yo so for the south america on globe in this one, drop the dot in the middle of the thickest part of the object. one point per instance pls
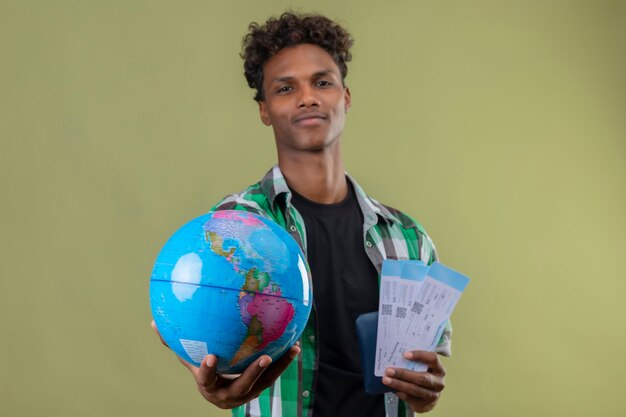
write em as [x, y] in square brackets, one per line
[230, 283]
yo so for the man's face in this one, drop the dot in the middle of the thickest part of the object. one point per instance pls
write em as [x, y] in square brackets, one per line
[305, 101]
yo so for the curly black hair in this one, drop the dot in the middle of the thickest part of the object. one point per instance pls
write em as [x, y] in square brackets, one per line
[290, 29]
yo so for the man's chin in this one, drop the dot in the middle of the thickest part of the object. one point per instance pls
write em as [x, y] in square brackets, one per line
[313, 145]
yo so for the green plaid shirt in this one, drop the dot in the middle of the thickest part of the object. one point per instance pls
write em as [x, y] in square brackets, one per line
[388, 234]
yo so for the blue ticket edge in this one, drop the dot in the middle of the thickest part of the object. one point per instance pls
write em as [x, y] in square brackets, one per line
[414, 271]
[394, 267]
[448, 276]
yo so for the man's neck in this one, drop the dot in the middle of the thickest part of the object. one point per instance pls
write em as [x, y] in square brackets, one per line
[317, 176]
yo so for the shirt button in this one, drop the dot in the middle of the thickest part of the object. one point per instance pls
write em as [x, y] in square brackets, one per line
[292, 228]
[368, 244]
[312, 338]
[305, 394]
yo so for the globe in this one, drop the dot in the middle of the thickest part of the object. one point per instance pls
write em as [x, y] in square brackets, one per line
[231, 283]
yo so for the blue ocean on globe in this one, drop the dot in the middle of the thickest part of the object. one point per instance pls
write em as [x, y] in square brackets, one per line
[230, 283]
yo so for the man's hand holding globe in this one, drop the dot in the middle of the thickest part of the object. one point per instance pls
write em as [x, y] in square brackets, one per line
[229, 391]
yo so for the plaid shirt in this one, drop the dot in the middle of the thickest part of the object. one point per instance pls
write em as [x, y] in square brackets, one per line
[388, 234]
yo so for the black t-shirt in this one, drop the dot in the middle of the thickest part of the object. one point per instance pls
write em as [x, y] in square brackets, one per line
[345, 284]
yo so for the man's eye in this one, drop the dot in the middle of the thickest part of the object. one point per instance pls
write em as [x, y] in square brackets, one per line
[323, 83]
[283, 89]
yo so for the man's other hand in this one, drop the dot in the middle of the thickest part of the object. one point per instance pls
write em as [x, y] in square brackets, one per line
[421, 390]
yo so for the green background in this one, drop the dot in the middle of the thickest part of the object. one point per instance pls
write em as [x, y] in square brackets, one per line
[500, 125]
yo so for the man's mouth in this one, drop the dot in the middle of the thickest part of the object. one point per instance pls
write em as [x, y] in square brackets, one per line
[309, 119]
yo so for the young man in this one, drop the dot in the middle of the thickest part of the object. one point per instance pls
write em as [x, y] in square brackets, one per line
[297, 64]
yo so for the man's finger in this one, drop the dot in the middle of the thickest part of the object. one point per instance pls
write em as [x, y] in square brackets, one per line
[423, 379]
[242, 385]
[206, 375]
[278, 367]
[429, 358]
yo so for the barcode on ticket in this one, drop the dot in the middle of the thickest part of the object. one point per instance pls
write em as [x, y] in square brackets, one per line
[417, 307]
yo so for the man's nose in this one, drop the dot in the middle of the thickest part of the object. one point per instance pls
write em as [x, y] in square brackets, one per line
[308, 97]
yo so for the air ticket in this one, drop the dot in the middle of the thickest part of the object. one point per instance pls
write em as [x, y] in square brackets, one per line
[415, 303]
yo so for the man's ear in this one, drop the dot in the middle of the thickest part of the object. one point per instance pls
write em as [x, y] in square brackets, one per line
[265, 118]
[348, 99]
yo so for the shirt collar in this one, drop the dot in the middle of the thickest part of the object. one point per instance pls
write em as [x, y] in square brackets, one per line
[273, 185]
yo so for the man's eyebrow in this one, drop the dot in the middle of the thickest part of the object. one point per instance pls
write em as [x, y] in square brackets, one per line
[318, 74]
[323, 73]
[283, 79]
